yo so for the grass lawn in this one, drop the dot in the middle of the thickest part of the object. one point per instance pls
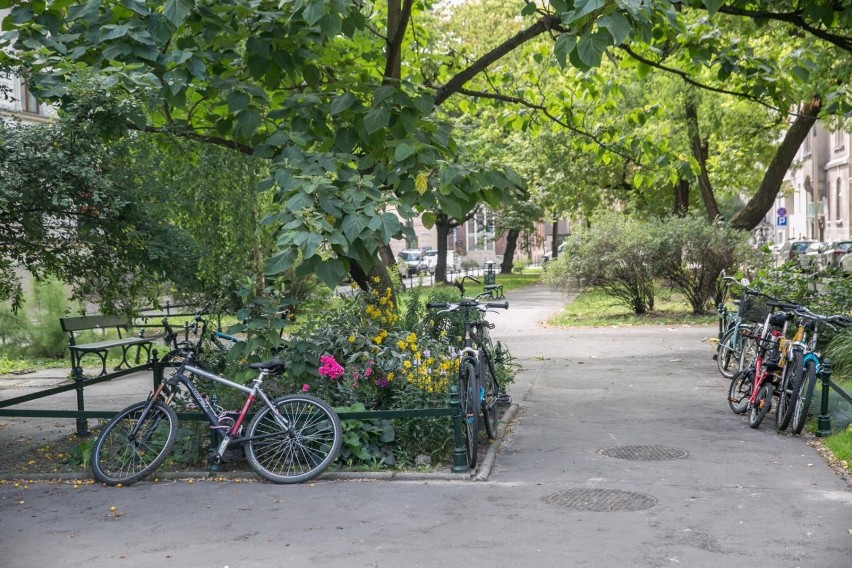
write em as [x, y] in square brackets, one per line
[594, 308]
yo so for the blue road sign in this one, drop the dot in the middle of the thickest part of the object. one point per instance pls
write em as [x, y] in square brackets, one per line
[782, 221]
[782, 211]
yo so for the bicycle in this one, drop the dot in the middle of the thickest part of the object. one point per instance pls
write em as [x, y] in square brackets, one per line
[753, 388]
[734, 327]
[809, 364]
[479, 390]
[292, 439]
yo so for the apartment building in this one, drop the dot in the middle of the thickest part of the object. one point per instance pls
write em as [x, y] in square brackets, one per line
[816, 199]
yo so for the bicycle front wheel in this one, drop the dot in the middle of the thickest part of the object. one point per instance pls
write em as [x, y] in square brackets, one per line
[491, 391]
[762, 405]
[297, 446]
[119, 457]
[470, 408]
[789, 391]
[730, 351]
[740, 391]
[805, 393]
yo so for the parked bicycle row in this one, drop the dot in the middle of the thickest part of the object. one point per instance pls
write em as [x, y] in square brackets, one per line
[769, 348]
[292, 438]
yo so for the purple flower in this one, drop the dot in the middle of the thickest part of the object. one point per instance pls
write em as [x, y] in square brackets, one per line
[382, 382]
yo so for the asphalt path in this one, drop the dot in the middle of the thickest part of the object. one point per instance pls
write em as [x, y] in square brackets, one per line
[728, 496]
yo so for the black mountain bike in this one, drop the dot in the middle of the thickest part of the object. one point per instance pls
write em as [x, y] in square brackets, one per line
[479, 389]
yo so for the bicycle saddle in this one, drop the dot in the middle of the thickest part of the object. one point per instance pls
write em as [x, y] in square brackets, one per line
[273, 366]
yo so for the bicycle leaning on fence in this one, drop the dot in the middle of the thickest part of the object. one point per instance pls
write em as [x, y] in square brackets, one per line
[479, 390]
[291, 439]
[736, 327]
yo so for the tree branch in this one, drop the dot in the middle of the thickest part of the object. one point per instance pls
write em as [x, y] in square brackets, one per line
[232, 144]
[543, 110]
[455, 84]
[795, 18]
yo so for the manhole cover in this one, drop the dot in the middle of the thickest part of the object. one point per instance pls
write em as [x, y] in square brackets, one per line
[644, 453]
[601, 500]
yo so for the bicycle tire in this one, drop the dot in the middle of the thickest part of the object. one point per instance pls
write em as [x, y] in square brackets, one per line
[116, 459]
[729, 351]
[762, 405]
[469, 399]
[490, 395]
[805, 396]
[788, 391]
[300, 453]
[750, 349]
[740, 391]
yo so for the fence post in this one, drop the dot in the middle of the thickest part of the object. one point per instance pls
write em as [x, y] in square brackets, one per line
[79, 379]
[459, 453]
[824, 420]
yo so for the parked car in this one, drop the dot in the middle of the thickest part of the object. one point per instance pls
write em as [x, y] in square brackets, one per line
[548, 255]
[845, 263]
[411, 262]
[834, 252]
[431, 257]
[793, 249]
[811, 259]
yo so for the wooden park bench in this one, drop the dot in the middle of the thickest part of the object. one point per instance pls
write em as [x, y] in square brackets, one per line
[74, 325]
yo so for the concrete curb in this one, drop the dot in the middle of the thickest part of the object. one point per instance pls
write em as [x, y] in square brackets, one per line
[480, 474]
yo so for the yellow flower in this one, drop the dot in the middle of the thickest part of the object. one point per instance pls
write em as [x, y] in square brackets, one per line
[401, 344]
[351, 339]
[376, 279]
[406, 364]
[411, 337]
[391, 375]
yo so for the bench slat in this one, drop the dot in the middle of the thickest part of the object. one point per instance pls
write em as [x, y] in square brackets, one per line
[101, 345]
[82, 323]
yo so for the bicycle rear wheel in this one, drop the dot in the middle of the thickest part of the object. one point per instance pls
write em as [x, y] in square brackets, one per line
[119, 457]
[740, 391]
[805, 393]
[299, 452]
[789, 391]
[489, 399]
[470, 408]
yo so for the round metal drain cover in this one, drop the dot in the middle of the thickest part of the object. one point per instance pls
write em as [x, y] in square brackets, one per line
[601, 500]
[644, 453]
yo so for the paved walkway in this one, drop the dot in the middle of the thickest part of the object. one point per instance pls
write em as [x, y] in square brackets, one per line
[730, 496]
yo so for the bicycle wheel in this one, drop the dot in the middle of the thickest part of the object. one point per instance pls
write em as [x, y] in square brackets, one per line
[730, 349]
[491, 391]
[469, 398]
[805, 394]
[788, 395]
[740, 391]
[299, 452]
[762, 405]
[119, 457]
[750, 348]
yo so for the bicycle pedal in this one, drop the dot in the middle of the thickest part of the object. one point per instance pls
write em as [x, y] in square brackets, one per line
[504, 399]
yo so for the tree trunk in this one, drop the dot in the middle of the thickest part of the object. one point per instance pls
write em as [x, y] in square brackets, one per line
[681, 197]
[752, 214]
[699, 151]
[554, 241]
[509, 253]
[443, 225]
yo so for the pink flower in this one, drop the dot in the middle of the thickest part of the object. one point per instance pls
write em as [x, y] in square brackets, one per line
[329, 367]
[368, 371]
[306, 387]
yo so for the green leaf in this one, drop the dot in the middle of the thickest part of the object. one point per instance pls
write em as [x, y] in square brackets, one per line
[591, 47]
[248, 122]
[529, 9]
[112, 32]
[176, 11]
[311, 245]
[279, 262]
[403, 151]
[341, 103]
[428, 218]
[713, 6]
[617, 25]
[376, 119]
[331, 272]
[314, 12]
[586, 7]
[565, 44]
[237, 101]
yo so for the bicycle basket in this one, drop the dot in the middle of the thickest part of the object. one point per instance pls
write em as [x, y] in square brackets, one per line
[754, 309]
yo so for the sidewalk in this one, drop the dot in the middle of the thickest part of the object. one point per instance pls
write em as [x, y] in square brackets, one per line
[623, 453]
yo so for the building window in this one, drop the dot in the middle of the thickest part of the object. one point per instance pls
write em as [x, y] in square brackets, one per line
[837, 140]
[806, 146]
[480, 231]
[837, 198]
[29, 102]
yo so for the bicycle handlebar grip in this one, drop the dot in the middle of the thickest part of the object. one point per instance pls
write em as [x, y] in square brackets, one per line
[504, 305]
[433, 305]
